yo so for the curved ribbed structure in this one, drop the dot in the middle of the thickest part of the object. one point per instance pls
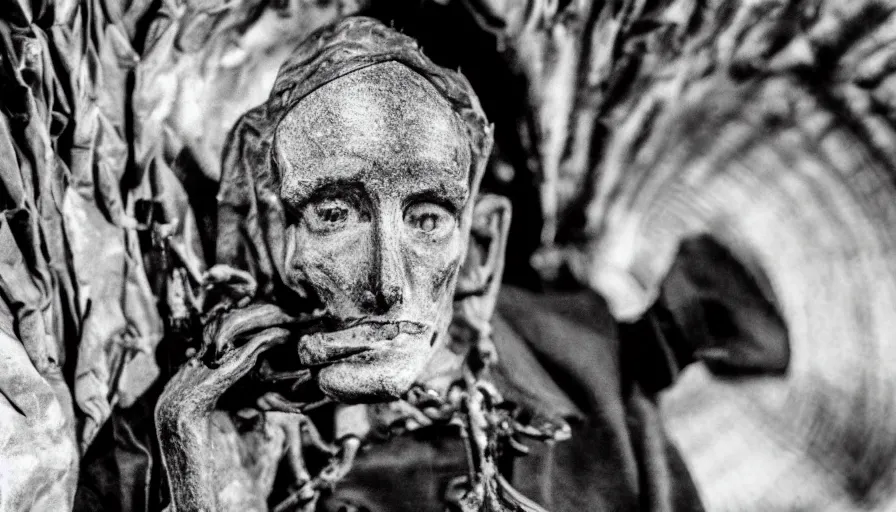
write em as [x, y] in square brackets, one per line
[772, 133]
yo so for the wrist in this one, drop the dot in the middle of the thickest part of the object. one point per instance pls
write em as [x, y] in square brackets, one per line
[184, 444]
[180, 416]
[182, 433]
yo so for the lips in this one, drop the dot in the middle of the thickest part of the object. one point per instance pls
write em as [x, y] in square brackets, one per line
[329, 346]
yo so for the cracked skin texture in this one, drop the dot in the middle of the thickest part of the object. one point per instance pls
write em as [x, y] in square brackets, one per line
[382, 147]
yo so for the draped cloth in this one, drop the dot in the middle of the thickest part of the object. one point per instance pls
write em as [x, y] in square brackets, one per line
[78, 321]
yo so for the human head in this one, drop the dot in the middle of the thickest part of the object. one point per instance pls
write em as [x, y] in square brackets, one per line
[357, 183]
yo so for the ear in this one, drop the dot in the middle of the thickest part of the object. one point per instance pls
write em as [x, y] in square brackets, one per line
[480, 275]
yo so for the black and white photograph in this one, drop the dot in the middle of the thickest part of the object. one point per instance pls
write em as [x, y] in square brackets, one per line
[447, 255]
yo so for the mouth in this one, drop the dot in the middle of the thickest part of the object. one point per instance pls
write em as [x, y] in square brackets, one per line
[350, 338]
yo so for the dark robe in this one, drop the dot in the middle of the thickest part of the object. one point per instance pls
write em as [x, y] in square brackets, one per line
[559, 356]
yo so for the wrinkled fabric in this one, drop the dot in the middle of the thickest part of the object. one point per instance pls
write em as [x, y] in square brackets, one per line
[71, 276]
[69, 95]
[37, 298]
[120, 326]
[205, 66]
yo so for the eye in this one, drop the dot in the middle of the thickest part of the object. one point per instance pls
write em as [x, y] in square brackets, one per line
[430, 219]
[329, 215]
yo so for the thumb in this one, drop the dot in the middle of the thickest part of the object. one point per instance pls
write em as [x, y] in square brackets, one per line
[239, 361]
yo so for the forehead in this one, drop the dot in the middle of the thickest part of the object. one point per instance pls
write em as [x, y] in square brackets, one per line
[383, 124]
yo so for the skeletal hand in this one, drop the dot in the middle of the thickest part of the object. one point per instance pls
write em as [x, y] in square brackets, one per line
[197, 386]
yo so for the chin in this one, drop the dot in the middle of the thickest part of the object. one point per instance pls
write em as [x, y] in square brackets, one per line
[371, 377]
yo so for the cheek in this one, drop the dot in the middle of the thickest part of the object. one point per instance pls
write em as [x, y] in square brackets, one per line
[435, 268]
[443, 280]
[329, 264]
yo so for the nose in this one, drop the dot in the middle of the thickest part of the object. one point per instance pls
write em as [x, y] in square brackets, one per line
[387, 279]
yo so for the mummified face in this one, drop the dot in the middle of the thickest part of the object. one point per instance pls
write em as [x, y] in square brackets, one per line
[375, 168]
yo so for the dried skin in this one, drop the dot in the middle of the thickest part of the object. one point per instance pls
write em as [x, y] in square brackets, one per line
[367, 149]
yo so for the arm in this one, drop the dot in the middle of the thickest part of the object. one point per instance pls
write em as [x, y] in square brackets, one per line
[184, 441]
[202, 462]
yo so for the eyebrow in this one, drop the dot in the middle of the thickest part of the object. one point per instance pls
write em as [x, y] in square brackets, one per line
[451, 194]
[454, 195]
[322, 187]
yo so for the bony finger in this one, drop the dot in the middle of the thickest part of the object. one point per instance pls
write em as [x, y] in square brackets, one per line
[197, 386]
[241, 321]
[239, 361]
[240, 281]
